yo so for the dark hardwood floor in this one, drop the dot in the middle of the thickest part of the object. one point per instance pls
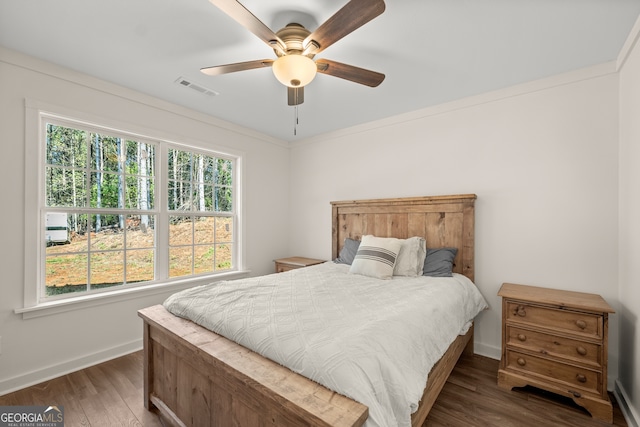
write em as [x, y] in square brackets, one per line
[110, 394]
[471, 397]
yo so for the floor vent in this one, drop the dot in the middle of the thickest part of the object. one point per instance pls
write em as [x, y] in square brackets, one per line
[203, 90]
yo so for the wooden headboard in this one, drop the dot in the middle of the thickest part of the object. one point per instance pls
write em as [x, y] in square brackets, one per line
[444, 221]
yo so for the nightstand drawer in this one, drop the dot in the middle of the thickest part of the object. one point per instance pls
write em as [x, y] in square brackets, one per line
[569, 321]
[553, 345]
[573, 376]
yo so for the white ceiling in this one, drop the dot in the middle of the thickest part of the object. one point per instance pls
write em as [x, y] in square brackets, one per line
[432, 51]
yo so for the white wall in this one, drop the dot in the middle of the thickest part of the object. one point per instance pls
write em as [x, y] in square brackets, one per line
[629, 313]
[542, 159]
[37, 348]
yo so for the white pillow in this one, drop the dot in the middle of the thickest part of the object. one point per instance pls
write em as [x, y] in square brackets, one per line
[411, 257]
[376, 256]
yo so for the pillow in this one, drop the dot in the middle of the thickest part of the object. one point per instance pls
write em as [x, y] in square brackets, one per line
[439, 262]
[348, 251]
[376, 257]
[411, 257]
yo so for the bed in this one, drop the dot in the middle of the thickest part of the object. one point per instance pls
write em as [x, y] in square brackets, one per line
[196, 377]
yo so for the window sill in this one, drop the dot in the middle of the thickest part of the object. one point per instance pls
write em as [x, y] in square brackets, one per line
[85, 301]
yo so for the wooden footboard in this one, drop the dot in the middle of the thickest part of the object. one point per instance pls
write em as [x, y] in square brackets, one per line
[194, 377]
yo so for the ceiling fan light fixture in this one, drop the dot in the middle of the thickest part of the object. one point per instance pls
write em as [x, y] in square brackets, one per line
[294, 70]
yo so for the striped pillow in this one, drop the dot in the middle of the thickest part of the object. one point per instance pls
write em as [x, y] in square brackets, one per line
[376, 257]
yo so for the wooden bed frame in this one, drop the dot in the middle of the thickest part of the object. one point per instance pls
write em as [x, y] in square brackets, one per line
[194, 377]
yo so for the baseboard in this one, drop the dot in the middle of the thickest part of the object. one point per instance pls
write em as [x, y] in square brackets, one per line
[50, 372]
[630, 414]
[487, 351]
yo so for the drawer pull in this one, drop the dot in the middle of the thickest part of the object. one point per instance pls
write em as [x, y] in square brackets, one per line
[581, 324]
[581, 351]
[522, 337]
[521, 361]
[581, 378]
[520, 311]
[575, 394]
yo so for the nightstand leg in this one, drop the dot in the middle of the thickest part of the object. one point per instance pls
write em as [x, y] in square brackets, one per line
[507, 380]
[599, 409]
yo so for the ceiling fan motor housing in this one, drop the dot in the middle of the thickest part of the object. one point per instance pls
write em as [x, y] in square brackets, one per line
[293, 36]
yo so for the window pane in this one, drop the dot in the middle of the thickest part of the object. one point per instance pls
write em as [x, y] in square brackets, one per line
[203, 259]
[223, 199]
[107, 269]
[140, 158]
[179, 196]
[56, 229]
[139, 193]
[140, 231]
[224, 174]
[208, 168]
[223, 257]
[106, 153]
[78, 229]
[180, 261]
[203, 197]
[65, 273]
[224, 229]
[65, 187]
[203, 230]
[108, 233]
[179, 165]
[66, 147]
[180, 231]
[106, 190]
[140, 265]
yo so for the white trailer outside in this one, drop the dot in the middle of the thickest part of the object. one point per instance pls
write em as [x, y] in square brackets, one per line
[57, 230]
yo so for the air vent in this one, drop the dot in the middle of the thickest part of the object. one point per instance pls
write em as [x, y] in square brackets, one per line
[201, 89]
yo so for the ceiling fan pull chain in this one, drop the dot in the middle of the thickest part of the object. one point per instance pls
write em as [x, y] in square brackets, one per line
[295, 121]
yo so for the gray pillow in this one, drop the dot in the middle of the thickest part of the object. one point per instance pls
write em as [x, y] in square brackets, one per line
[348, 252]
[439, 262]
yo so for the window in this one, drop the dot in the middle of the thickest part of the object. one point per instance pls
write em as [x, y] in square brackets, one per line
[200, 195]
[99, 210]
[120, 210]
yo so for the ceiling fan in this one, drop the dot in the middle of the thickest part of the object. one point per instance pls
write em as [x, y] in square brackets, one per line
[295, 47]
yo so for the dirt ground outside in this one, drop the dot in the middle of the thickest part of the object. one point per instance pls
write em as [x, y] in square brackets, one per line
[67, 266]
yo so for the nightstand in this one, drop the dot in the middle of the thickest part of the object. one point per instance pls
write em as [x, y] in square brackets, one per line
[291, 263]
[557, 341]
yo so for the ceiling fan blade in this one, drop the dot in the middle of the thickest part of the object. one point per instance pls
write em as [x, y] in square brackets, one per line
[295, 95]
[238, 66]
[248, 20]
[352, 16]
[349, 72]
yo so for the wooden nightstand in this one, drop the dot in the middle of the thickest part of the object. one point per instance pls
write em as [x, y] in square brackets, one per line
[291, 263]
[557, 341]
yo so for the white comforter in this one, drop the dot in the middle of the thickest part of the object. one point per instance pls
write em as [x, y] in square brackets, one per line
[372, 340]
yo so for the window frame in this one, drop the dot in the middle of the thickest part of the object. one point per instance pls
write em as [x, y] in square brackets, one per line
[35, 304]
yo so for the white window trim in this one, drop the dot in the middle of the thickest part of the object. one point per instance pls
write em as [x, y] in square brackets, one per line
[33, 251]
